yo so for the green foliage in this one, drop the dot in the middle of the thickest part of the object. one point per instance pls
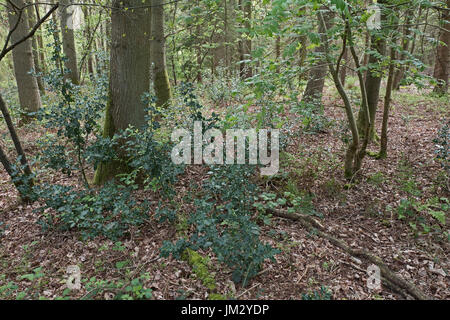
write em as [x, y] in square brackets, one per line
[226, 227]
[312, 116]
[430, 216]
[323, 294]
[442, 143]
[108, 212]
[128, 289]
[223, 89]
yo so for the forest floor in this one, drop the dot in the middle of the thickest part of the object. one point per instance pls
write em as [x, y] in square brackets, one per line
[364, 216]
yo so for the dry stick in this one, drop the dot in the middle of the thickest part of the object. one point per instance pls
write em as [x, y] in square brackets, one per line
[390, 277]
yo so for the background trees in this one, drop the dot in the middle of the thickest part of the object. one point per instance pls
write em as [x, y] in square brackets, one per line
[27, 86]
[102, 96]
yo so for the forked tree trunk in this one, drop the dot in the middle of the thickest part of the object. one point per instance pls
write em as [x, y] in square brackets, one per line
[29, 97]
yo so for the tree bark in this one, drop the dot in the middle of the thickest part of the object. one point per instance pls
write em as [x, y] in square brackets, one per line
[161, 82]
[129, 75]
[441, 67]
[40, 42]
[245, 44]
[68, 41]
[343, 72]
[373, 79]
[29, 97]
[387, 107]
[24, 190]
[34, 44]
[316, 82]
[399, 73]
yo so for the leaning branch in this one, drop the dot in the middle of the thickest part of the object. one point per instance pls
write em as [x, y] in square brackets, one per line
[27, 36]
[389, 277]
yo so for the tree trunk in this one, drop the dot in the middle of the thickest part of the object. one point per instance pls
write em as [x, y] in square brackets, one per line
[314, 87]
[441, 67]
[68, 41]
[387, 106]
[129, 75]
[373, 80]
[29, 97]
[399, 73]
[34, 44]
[245, 44]
[25, 190]
[158, 53]
[56, 38]
[343, 71]
[40, 42]
[89, 34]
[277, 52]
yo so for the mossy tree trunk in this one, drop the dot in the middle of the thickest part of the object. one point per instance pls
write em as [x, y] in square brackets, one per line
[158, 53]
[129, 76]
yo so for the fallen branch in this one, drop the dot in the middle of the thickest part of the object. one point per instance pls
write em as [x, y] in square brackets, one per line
[391, 279]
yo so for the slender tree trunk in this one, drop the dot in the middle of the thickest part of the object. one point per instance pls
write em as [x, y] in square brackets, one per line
[68, 41]
[34, 45]
[158, 53]
[245, 44]
[373, 79]
[365, 61]
[400, 72]
[441, 67]
[387, 106]
[129, 75]
[24, 190]
[88, 35]
[316, 82]
[343, 71]
[56, 38]
[40, 42]
[277, 52]
[303, 40]
[29, 97]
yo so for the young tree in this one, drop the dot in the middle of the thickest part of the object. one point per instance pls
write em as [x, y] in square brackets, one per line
[245, 44]
[29, 97]
[129, 74]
